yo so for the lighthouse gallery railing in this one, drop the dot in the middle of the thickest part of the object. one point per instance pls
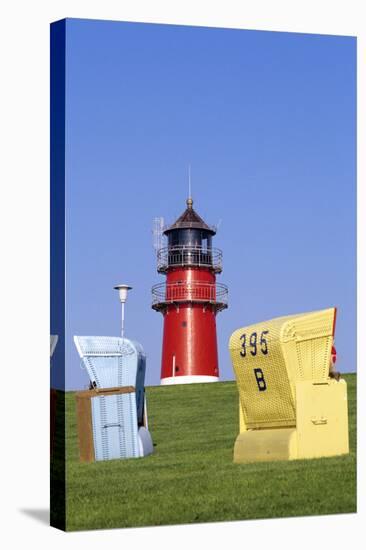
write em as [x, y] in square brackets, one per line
[216, 294]
[183, 255]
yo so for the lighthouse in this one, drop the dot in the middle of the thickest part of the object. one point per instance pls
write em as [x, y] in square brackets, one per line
[189, 300]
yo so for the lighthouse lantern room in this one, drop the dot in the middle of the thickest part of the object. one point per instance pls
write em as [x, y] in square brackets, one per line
[189, 300]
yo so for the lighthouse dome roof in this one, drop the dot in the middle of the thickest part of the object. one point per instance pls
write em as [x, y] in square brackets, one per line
[190, 220]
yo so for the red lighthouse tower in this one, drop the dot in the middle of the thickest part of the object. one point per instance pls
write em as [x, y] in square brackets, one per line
[189, 300]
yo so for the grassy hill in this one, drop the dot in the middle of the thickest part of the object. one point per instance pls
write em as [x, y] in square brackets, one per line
[191, 477]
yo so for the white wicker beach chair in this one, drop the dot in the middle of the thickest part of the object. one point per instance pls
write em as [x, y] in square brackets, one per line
[119, 420]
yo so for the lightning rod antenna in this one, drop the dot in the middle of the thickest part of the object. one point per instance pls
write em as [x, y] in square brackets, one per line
[189, 181]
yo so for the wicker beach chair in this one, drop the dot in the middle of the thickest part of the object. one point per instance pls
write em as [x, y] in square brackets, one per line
[289, 405]
[116, 368]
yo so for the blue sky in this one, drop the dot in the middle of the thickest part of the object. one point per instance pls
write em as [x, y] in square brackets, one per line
[267, 121]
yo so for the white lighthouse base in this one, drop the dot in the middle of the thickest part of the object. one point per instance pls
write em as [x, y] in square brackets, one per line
[193, 379]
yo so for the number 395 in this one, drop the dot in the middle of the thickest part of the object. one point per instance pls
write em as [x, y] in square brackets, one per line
[253, 344]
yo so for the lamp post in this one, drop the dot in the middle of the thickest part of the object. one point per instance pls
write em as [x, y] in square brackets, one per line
[122, 289]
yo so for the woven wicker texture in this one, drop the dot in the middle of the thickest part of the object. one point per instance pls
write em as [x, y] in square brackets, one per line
[270, 357]
[115, 431]
[111, 361]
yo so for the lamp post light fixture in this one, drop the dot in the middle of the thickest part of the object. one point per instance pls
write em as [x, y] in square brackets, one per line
[123, 290]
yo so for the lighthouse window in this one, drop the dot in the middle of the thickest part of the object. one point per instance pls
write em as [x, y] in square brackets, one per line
[184, 323]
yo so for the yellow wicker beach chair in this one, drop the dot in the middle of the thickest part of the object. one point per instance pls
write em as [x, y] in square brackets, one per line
[289, 407]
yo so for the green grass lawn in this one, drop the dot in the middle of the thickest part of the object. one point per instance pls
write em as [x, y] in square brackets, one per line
[191, 477]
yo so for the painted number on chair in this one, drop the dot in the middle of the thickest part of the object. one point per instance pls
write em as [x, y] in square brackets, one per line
[254, 344]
